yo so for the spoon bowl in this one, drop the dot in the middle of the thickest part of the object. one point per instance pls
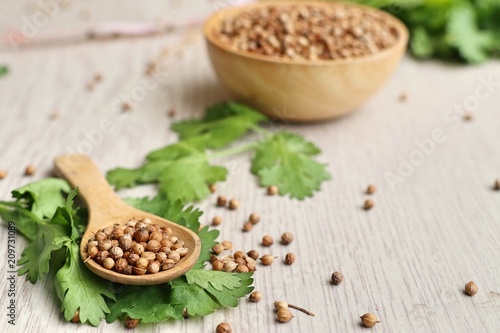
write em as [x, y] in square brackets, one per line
[106, 209]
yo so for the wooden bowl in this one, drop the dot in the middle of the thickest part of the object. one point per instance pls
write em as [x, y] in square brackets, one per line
[301, 90]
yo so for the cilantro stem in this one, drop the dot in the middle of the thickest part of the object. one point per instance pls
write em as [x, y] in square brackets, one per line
[262, 131]
[233, 151]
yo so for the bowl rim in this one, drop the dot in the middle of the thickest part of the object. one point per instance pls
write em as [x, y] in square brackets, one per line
[217, 16]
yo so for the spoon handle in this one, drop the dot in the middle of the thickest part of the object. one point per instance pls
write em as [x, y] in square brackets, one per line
[79, 170]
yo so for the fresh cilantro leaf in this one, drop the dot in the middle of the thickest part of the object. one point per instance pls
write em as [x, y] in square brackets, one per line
[285, 160]
[182, 172]
[223, 122]
[464, 34]
[193, 298]
[43, 197]
[26, 222]
[147, 303]
[229, 297]
[64, 215]
[207, 238]
[161, 205]
[200, 297]
[35, 258]
[218, 280]
[80, 289]
[4, 70]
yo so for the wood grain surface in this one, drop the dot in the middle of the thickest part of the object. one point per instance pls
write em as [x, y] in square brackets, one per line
[436, 220]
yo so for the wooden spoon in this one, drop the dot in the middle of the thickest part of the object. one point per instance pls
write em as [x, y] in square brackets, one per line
[106, 209]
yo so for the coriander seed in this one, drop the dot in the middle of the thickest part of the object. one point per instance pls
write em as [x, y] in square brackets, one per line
[230, 266]
[371, 189]
[141, 235]
[101, 256]
[108, 263]
[368, 204]
[272, 190]
[3, 174]
[137, 249]
[254, 218]
[142, 263]
[278, 305]
[104, 245]
[131, 323]
[117, 233]
[138, 271]
[496, 186]
[76, 317]
[223, 328]
[154, 267]
[217, 220]
[255, 296]
[337, 278]
[228, 245]
[267, 260]
[286, 238]
[212, 188]
[120, 265]
[242, 269]
[239, 254]
[153, 245]
[99, 236]
[252, 267]
[247, 226]
[369, 320]
[218, 248]
[218, 265]
[471, 288]
[132, 258]
[284, 315]
[253, 254]
[234, 204]
[290, 258]
[30, 170]
[221, 201]
[93, 251]
[174, 255]
[167, 264]
[148, 255]
[116, 253]
[267, 240]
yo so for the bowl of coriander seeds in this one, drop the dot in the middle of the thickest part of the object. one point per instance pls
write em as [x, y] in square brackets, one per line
[304, 61]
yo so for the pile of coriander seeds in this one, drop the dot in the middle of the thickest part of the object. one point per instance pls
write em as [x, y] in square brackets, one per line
[308, 31]
[137, 248]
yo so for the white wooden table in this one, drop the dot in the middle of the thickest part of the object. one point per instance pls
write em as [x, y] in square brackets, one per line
[431, 230]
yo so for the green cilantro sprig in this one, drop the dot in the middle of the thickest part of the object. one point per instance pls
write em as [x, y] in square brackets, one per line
[467, 30]
[45, 214]
[183, 169]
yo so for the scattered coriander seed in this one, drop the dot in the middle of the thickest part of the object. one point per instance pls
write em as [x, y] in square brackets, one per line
[54, 115]
[284, 315]
[254, 218]
[368, 204]
[255, 296]
[223, 328]
[496, 186]
[3, 174]
[468, 116]
[337, 278]
[217, 220]
[242, 269]
[172, 113]
[97, 77]
[471, 288]
[290, 258]
[230, 266]
[30, 170]
[221, 201]
[278, 305]
[371, 189]
[212, 188]
[213, 258]
[267, 259]
[76, 317]
[228, 245]
[267, 240]
[126, 106]
[218, 248]
[239, 254]
[253, 254]
[286, 238]
[251, 266]
[272, 190]
[218, 265]
[369, 320]
[247, 226]
[403, 97]
[234, 204]
[131, 323]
